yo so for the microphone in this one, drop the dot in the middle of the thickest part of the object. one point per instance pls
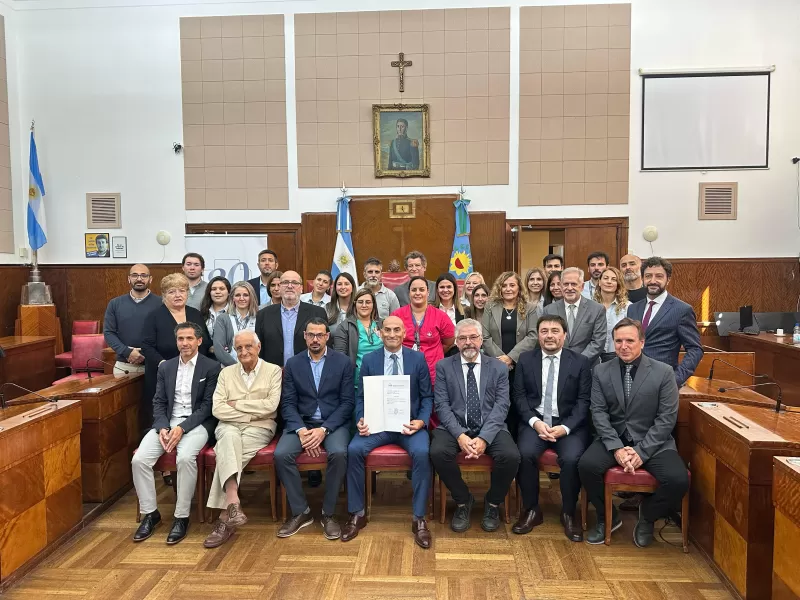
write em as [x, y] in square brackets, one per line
[755, 385]
[4, 403]
[89, 373]
[725, 362]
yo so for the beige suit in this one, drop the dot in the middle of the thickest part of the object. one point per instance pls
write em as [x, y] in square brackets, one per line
[244, 430]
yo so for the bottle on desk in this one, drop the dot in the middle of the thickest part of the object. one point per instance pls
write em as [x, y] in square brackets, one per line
[796, 334]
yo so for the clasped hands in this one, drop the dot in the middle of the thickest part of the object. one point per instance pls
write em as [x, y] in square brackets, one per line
[169, 438]
[547, 433]
[472, 447]
[311, 439]
[408, 428]
[628, 459]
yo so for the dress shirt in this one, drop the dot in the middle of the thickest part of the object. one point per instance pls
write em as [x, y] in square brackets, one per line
[450, 312]
[137, 300]
[577, 308]
[263, 293]
[213, 315]
[309, 299]
[545, 369]
[316, 370]
[288, 323]
[388, 364]
[588, 290]
[659, 302]
[250, 377]
[182, 406]
[612, 318]
[477, 372]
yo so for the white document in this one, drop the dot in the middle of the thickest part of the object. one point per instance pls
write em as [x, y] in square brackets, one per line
[387, 402]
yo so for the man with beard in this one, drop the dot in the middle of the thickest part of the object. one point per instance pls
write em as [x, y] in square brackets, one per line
[385, 299]
[597, 263]
[267, 265]
[124, 319]
[403, 151]
[667, 323]
[631, 267]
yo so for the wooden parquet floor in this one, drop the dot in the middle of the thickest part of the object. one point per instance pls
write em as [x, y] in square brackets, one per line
[382, 563]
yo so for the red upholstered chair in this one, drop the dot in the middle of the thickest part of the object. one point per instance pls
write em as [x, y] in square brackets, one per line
[167, 462]
[640, 481]
[483, 464]
[392, 280]
[85, 347]
[64, 360]
[305, 463]
[264, 460]
[389, 458]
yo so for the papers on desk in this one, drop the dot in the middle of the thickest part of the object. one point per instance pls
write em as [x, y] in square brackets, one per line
[387, 402]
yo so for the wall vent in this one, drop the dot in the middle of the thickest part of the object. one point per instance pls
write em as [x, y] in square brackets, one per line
[103, 211]
[717, 201]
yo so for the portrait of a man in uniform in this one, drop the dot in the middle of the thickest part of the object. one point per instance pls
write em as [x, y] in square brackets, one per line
[401, 140]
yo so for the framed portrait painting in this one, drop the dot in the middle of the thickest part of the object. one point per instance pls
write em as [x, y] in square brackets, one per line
[402, 140]
[96, 245]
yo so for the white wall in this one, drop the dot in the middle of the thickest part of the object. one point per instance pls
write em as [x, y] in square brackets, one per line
[102, 80]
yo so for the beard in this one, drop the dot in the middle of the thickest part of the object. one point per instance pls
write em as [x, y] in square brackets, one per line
[630, 276]
[469, 352]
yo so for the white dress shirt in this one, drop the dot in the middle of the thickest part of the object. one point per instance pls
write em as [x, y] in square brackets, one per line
[250, 377]
[450, 312]
[182, 406]
[545, 369]
[659, 302]
[308, 298]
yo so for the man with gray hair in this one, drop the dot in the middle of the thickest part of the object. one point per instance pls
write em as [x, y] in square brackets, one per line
[246, 404]
[416, 264]
[585, 318]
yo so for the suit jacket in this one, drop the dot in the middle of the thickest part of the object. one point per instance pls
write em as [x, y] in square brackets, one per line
[674, 325]
[401, 291]
[256, 283]
[573, 389]
[414, 365]
[527, 337]
[204, 382]
[450, 396]
[589, 335]
[650, 414]
[335, 397]
[269, 329]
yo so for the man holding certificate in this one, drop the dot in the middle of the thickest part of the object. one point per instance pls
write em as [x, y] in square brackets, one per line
[393, 405]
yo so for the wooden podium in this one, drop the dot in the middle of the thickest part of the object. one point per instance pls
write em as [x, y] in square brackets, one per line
[30, 361]
[786, 498]
[39, 319]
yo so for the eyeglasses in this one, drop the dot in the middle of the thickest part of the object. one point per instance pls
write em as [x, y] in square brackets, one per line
[240, 349]
[138, 276]
[315, 336]
[291, 283]
[468, 338]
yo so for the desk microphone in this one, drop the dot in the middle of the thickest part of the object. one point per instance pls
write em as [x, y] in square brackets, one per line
[4, 403]
[105, 363]
[725, 362]
[755, 385]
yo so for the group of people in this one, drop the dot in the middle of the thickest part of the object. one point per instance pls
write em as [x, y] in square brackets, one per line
[587, 368]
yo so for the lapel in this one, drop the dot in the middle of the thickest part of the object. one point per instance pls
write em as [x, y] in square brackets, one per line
[641, 374]
[459, 373]
[562, 372]
[616, 380]
[195, 381]
[325, 368]
[496, 311]
[580, 315]
[408, 369]
[305, 367]
[665, 308]
[561, 309]
[538, 359]
[278, 324]
[522, 323]
[484, 378]
[172, 380]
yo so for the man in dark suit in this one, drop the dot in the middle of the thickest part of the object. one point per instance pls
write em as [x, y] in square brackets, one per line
[667, 323]
[182, 421]
[472, 401]
[416, 263]
[586, 319]
[267, 264]
[552, 388]
[317, 403]
[281, 327]
[393, 359]
[634, 409]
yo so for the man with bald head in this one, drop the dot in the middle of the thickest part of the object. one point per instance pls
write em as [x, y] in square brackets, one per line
[246, 404]
[393, 359]
[124, 319]
[631, 267]
[280, 326]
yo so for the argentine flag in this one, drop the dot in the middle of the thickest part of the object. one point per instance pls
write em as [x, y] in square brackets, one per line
[343, 259]
[37, 227]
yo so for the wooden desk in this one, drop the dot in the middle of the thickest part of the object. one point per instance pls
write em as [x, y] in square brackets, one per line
[30, 361]
[777, 358]
[110, 429]
[731, 495]
[786, 499]
[40, 479]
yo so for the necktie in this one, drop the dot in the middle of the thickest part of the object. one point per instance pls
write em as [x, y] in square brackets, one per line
[473, 400]
[646, 320]
[395, 365]
[627, 382]
[548, 392]
[570, 318]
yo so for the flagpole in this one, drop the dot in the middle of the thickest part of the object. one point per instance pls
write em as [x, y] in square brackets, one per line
[36, 274]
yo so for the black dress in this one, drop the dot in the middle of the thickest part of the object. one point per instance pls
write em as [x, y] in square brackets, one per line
[508, 335]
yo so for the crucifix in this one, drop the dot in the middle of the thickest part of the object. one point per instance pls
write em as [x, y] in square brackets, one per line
[401, 64]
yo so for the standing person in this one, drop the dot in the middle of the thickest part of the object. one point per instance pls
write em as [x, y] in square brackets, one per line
[480, 298]
[360, 333]
[341, 300]
[385, 299]
[416, 264]
[535, 280]
[446, 291]
[611, 293]
[631, 267]
[241, 316]
[553, 262]
[319, 295]
[125, 317]
[193, 265]
[552, 290]
[267, 265]
[597, 263]
[273, 286]
[472, 281]
[215, 302]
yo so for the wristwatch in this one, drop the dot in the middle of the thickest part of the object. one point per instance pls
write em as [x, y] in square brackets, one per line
[326, 430]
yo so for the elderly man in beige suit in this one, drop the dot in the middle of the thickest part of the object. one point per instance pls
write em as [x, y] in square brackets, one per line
[246, 404]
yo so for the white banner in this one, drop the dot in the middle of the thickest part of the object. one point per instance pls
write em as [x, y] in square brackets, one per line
[233, 256]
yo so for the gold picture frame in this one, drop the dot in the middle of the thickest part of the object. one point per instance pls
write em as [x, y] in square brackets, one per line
[401, 139]
[402, 208]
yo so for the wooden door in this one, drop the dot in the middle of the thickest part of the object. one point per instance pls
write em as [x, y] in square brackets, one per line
[582, 241]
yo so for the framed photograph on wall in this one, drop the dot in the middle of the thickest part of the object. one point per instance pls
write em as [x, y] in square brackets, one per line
[96, 245]
[119, 246]
[401, 139]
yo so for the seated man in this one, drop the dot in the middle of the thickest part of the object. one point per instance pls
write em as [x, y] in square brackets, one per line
[471, 397]
[316, 404]
[246, 404]
[393, 359]
[182, 420]
[552, 387]
[634, 409]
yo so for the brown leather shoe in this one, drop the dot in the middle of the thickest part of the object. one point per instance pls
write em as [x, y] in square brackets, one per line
[528, 520]
[236, 518]
[422, 535]
[573, 531]
[330, 527]
[221, 533]
[295, 524]
[354, 524]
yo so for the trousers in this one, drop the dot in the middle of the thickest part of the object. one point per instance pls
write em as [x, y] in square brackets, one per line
[237, 444]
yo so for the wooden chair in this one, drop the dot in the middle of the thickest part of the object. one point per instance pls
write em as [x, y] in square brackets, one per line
[305, 463]
[64, 360]
[264, 460]
[167, 462]
[389, 458]
[483, 464]
[640, 481]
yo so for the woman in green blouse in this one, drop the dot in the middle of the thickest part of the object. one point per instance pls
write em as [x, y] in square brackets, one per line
[359, 332]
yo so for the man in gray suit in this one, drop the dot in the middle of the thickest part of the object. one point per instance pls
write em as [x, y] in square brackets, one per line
[586, 319]
[471, 397]
[416, 263]
[634, 409]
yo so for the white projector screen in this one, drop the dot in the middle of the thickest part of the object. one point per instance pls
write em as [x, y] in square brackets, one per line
[705, 121]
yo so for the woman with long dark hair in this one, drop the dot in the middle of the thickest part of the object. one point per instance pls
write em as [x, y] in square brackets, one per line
[341, 300]
[215, 301]
[552, 290]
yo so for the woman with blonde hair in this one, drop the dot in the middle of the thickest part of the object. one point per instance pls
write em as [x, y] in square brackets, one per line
[535, 280]
[613, 295]
[472, 281]
[242, 309]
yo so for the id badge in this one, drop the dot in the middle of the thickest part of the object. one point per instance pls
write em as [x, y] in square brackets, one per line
[415, 347]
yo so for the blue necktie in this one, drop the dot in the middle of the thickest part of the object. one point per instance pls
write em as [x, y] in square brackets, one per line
[395, 365]
[473, 400]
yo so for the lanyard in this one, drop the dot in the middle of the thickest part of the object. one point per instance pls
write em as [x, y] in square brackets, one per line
[239, 323]
[417, 328]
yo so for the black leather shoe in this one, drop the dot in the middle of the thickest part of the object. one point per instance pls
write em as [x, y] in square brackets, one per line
[528, 520]
[147, 527]
[598, 534]
[643, 532]
[314, 478]
[180, 527]
[460, 521]
[491, 517]
[572, 530]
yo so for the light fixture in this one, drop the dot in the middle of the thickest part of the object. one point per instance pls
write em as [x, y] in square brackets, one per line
[163, 237]
[650, 233]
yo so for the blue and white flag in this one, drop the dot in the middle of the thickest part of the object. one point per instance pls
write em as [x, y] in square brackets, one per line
[37, 226]
[344, 260]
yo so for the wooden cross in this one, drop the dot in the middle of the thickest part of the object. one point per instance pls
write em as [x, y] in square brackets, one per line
[402, 64]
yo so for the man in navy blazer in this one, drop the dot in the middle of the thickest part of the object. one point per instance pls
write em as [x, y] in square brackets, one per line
[667, 323]
[317, 405]
[393, 359]
[552, 392]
